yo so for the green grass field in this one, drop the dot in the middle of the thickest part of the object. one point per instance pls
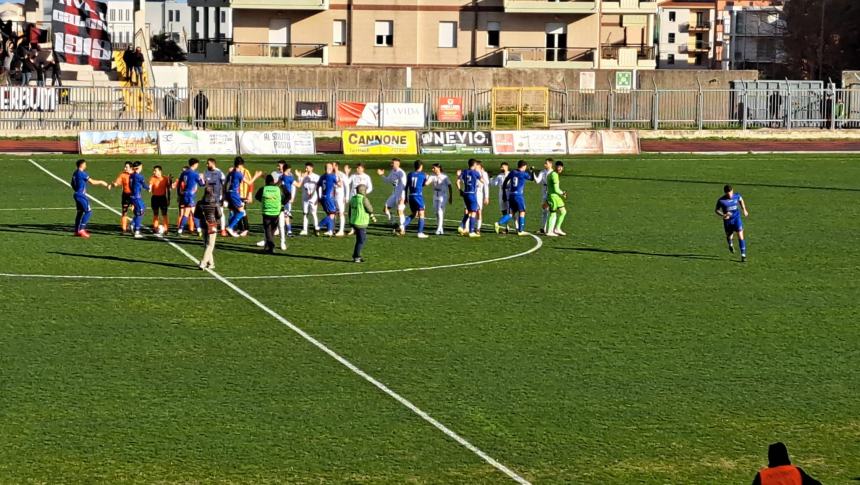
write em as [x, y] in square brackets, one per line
[636, 349]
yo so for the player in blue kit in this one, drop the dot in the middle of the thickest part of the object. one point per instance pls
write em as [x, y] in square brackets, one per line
[415, 182]
[137, 184]
[326, 186]
[289, 183]
[513, 187]
[189, 180]
[467, 184]
[80, 179]
[235, 202]
[729, 208]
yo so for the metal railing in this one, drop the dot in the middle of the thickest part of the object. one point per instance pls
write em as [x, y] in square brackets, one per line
[198, 46]
[700, 46]
[610, 51]
[549, 54]
[238, 108]
[251, 49]
[699, 25]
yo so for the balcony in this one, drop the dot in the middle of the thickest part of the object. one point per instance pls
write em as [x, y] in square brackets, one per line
[629, 7]
[699, 26]
[282, 54]
[279, 4]
[699, 46]
[551, 6]
[627, 57]
[549, 57]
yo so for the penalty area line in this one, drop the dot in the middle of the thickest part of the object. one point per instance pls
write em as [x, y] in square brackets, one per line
[331, 353]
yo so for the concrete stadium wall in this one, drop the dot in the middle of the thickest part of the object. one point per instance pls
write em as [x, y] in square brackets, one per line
[202, 75]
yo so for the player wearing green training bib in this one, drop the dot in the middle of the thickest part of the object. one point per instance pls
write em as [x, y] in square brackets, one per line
[555, 201]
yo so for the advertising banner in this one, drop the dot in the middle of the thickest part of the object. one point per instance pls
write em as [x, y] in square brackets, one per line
[20, 98]
[450, 109]
[477, 142]
[311, 111]
[276, 143]
[197, 142]
[620, 142]
[81, 34]
[380, 142]
[584, 142]
[118, 142]
[530, 142]
[400, 115]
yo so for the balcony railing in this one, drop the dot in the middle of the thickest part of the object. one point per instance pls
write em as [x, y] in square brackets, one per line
[610, 51]
[699, 25]
[198, 46]
[550, 6]
[549, 54]
[250, 49]
[700, 46]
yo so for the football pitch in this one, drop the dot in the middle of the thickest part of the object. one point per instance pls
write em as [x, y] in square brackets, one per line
[635, 349]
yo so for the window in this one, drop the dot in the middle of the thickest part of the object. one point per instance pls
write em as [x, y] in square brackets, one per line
[176, 15]
[223, 16]
[671, 37]
[170, 15]
[671, 59]
[447, 34]
[493, 31]
[112, 18]
[671, 15]
[338, 32]
[384, 33]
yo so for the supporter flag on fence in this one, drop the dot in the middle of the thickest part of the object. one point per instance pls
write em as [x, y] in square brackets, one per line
[81, 33]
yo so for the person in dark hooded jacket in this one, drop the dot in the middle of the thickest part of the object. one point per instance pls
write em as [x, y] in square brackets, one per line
[780, 471]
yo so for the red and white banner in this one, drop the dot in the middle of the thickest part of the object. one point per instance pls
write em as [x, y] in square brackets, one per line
[369, 115]
[81, 33]
[450, 109]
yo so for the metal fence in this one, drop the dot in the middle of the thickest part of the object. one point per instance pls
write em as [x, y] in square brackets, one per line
[105, 108]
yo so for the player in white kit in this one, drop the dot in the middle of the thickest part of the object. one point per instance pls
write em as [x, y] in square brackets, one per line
[541, 178]
[499, 181]
[360, 178]
[397, 178]
[483, 193]
[310, 199]
[341, 196]
[442, 193]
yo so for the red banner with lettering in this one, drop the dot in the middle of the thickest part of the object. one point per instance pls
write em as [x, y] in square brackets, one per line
[81, 33]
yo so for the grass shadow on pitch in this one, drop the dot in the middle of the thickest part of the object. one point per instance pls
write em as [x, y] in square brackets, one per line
[58, 229]
[633, 252]
[120, 259]
[224, 244]
[718, 183]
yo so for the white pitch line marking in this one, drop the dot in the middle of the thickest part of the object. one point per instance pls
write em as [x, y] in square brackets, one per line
[331, 353]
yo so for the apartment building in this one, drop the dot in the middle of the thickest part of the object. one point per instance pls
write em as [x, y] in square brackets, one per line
[687, 35]
[585, 34]
[169, 17]
[121, 21]
[750, 34]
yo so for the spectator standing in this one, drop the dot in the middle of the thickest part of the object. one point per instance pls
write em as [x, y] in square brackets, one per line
[28, 69]
[170, 105]
[137, 65]
[56, 72]
[201, 105]
[780, 471]
[128, 61]
[40, 73]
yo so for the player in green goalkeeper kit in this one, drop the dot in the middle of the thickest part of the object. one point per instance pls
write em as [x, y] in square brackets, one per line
[555, 201]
